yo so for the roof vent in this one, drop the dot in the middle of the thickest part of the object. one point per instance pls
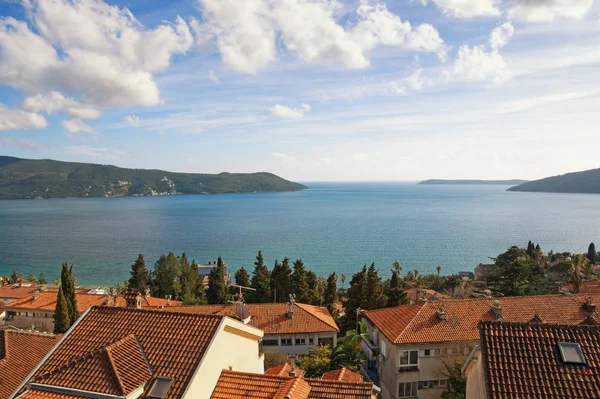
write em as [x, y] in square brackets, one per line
[147, 292]
[571, 352]
[536, 319]
[292, 372]
[160, 387]
[589, 304]
[497, 309]
[291, 304]
[441, 313]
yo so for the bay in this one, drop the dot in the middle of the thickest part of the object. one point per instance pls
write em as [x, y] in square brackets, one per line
[331, 226]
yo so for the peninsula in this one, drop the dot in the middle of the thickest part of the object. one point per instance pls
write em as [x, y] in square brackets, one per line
[475, 182]
[585, 182]
[44, 178]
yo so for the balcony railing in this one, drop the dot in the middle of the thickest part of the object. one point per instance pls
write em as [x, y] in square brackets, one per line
[406, 369]
[370, 348]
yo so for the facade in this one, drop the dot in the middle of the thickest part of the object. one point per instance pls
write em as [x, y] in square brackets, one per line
[127, 353]
[291, 329]
[36, 310]
[544, 361]
[406, 346]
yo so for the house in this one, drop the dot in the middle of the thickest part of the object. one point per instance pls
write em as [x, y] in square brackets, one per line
[535, 361]
[20, 352]
[416, 294]
[586, 287]
[36, 311]
[291, 329]
[12, 292]
[342, 374]
[117, 352]
[406, 346]
[482, 270]
[239, 385]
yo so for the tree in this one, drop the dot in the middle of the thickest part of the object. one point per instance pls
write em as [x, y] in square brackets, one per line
[356, 300]
[397, 267]
[242, 278]
[15, 278]
[343, 278]
[217, 288]
[439, 269]
[261, 281]
[396, 295]
[457, 384]
[452, 282]
[300, 280]
[139, 276]
[62, 321]
[591, 255]
[317, 362]
[331, 295]
[576, 272]
[314, 296]
[348, 351]
[166, 271]
[191, 284]
[31, 278]
[67, 283]
[274, 358]
[375, 296]
[42, 279]
[281, 278]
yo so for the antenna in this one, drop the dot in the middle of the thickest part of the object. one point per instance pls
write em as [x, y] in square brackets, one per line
[239, 297]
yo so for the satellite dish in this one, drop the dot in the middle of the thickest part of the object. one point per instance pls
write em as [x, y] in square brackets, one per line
[242, 312]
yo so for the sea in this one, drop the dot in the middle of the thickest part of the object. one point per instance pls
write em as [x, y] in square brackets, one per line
[330, 226]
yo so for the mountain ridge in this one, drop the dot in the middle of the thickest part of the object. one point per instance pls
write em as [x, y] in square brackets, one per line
[583, 182]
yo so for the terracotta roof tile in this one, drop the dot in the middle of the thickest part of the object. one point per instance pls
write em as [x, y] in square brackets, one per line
[419, 323]
[173, 344]
[523, 361]
[20, 352]
[38, 394]
[272, 318]
[16, 292]
[342, 374]
[587, 287]
[324, 389]
[283, 370]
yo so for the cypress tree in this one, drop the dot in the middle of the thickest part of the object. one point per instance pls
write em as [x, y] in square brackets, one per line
[375, 296]
[396, 295]
[188, 281]
[591, 254]
[300, 282]
[138, 282]
[242, 278]
[261, 281]
[281, 278]
[314, 297]
[67, 284]
[331, 294]
[356, 294]
[62, 321]
[217, 289]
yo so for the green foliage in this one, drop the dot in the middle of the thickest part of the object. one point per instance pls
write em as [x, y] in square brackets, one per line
[281, 278]
[395, 293]
[140, 276]
[42, 279]
[576, 272]
[457, 384]
[376, 298]
[67, 283]
[300, 280]
[62, 321]
[314, 296]
[217, 291]
[25, 178]
[331, 294]
[15, 277]
[31, 278]
[348, 351]
[317, 362]
[261, 282]
[356, 298]
[166, 271]
[274, 358]
[592, 254]
[242, 278]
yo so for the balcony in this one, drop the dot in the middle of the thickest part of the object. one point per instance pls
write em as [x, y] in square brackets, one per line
[409, 368]
[370, 348]
[369, 374]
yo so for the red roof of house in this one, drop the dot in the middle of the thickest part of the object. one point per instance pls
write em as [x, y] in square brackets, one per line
[587, 287]
[342, 374]
[20, 352]
[420, 323]
[523, 360]
[283, 370]
[16, 292]
[38, 394]
[273, 318]
[121, 341]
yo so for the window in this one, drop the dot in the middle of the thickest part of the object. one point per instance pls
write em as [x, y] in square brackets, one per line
[407, 389]
[300, 341]
[311, 341]
[409, 358]
[432, 384]
[326, 341]
[270, 342]
[571, 353]
[286, 341]
[160, 387]
[427, 352]
[383, 349]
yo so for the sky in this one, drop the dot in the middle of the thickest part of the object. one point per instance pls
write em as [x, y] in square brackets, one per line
[312, 90]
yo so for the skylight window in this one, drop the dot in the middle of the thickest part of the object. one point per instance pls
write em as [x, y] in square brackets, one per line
[571, 353]
[160, 387]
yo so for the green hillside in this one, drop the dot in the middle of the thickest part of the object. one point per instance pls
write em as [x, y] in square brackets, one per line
[586, 182]
[28, 178]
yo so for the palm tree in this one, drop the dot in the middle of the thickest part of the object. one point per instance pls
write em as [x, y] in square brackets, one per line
[347, 353]
[439, 269]
[396, 267]
[343, 280]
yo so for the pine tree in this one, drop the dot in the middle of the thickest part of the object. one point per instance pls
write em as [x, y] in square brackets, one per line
[242, 278]
[591, 255]
[188, 281]
[62, 321]
[67, 284]
[261, 281]
[375, 296]
[396, 295]
[166, 271]
[31, 278]
[139, 276]
[331, 294]
[314, 297]
[281, 278]
[300, 282]
[14, 277]
[42, 279]
[217, 289]
[357, 295]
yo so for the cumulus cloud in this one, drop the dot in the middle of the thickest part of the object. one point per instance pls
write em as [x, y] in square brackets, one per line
[212, 76]
[76, 126]
[12, 118]
[549, 10]
[97, 152]
[132, 120]
[54, 102]
[501, 35]
[98, 53]
[285, 112]
[467, 8]
[246, 32]
[416, 81]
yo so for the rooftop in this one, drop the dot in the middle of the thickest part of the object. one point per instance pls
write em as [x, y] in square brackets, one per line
[16, 292]
[283, 370]
[342, 374]
[273, 318]
[587, 287]
[420, 322]
[534, 366]
[20, 352]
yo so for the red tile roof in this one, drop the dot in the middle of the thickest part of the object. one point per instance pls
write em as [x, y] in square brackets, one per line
[37, 394]
[237, 385]
[587, 287]
[20, 352]
[272, 318]
[523, 361]
[173, 344]
[419, 323]
[283, 370]
[342, 374]
[16, 292]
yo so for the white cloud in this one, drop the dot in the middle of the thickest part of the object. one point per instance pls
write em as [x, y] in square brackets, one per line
[96, 152]
[284, 158]
[213, 77]
[76, 126]
[415, 81]
[467, 8]
[132, 120]
[22, 144]
[501, 35]
[88, 49]
[12, 118]
[55, 102]
[285, 112]
[246, 32]
[549, 10]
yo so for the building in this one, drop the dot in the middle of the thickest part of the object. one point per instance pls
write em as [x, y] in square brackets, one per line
[289, 329]
[406, 346]
[36, 311]
[482, 270]
[205, 269]
[20, 352]
[12, 292]
[417, 295]
[534, 361]
[238, 385]
[586, 287]
[116, 352]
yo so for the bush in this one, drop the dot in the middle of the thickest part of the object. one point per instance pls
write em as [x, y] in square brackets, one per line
[274, 358]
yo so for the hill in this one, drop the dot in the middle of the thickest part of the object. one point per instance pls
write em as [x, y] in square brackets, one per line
[585, 182]
[29, 178]
[475, 182]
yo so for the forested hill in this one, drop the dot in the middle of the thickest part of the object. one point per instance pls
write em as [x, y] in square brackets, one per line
[586, 182]
[28, 178]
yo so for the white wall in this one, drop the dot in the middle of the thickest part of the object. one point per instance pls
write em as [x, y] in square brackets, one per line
[297, 349]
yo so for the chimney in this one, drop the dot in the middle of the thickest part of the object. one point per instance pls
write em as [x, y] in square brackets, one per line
[169, 300]
[589, 304]
[147, 292]
[292, 360]
[108, 301]
[497, 309]
[441, 313]
[36, 295]
[291, 303]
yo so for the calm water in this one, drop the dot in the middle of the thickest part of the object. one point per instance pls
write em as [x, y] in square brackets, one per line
[332, 227]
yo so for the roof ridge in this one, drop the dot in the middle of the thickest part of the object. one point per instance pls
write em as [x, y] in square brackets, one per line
[302, 306]
[318, 380]
[155, 309]
[113, 367]
[277, 377]
[538, 325]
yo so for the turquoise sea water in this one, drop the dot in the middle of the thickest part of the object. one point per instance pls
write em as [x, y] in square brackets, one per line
[331, 226]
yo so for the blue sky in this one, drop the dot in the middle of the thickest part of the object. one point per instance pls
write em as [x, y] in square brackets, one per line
[308, 89]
